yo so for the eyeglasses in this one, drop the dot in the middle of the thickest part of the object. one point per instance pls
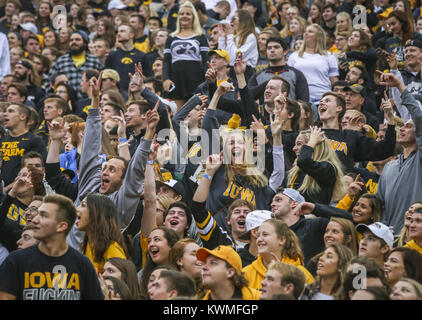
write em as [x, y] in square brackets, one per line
[30, 210]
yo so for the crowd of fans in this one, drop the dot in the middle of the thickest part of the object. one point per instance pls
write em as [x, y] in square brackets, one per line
[215, 150]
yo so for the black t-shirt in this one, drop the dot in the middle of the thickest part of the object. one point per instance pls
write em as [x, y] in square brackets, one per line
[124, 63]
[12, 222]
[31, 275]
[13, 149]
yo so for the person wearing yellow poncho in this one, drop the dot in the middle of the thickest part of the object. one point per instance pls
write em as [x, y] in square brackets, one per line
[275, 241]
[97, 217]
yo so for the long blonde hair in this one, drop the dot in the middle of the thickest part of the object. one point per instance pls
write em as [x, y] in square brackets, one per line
[349, 23]
[245, 28]
[286, 30]
[322, 152]
[321, 42]
[248, 168]
[196, 25]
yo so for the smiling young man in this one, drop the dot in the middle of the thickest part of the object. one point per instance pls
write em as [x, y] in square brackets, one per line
[50, 270]
[222, 275]
[17, 142]
[53, 107]
[178, 217]
[276, 50]
[352, 146]
[310, 232]
[399, 185]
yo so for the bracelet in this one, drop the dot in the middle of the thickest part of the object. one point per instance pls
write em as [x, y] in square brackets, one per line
[123, 140]
[151, 162]
[207, 176]
[124, 144]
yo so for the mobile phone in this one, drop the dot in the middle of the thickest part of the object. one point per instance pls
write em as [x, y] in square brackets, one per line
[172, 87]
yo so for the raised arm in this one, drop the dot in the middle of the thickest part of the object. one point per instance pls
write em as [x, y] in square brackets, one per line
[209, 231]
[121, 133]
[278, 173]
[150, 206]
[127, 197]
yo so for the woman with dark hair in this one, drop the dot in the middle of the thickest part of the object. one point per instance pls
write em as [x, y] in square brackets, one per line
[358, 47]
[97, 217]
[14, 39]
[331, 268]
[315, 13]
[51, 39]
[240, 36]
[68, 94]
[116, 289]
[125, 270]
[402, 29]
[306, 115]
[157, 246]
[403, 262]
[183, 258]
[105, 30]
[43, 15]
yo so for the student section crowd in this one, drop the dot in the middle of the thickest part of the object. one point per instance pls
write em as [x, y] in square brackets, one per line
[110, 185]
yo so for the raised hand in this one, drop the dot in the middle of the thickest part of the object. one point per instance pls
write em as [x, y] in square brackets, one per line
[387, 107]
[136, 83]
[121, 129]
[56, 130]
[95, 85]
[390, 80]
[392, 61]
[203, 98]
[224, 87]
[167, 84]
[154, 149]
[153, 117]
[211, 74]
[280, 102]
[355, 124]
[317, 136]
[355, 187]
[256, 124]
[213, 162]
[276, 124]
[21, 185]
[239, 65]
[304, 208]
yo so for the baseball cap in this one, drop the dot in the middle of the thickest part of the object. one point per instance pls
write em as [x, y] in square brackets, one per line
[220, 52]
[413, 43]
[294, 195]
[253, 220]
[378, 229]
[356, 88]
[116, 4]
[226, 253]
[111, 74]
[176, 185]
[29, 26]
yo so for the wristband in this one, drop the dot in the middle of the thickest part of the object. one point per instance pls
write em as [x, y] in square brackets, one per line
[207, 176]
[151, 162]
[122, 140]
[124, 144]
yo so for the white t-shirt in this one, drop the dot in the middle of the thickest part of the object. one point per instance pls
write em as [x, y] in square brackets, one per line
[317, 70]
[322, 296]
[249, 49]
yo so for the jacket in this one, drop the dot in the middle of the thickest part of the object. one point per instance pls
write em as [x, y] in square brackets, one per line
[400, 183]
[247, 294]
[255, 272]
[311, 231]
[127, 197]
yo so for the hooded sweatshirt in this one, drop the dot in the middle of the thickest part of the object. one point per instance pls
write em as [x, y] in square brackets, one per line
[401, 180]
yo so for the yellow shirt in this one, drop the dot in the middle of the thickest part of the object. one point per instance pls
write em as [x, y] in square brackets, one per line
[113, 251]
[255, 272]
[79, 59]
[248, 293]
[413, 245]
[142, 46]
[345, 203]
